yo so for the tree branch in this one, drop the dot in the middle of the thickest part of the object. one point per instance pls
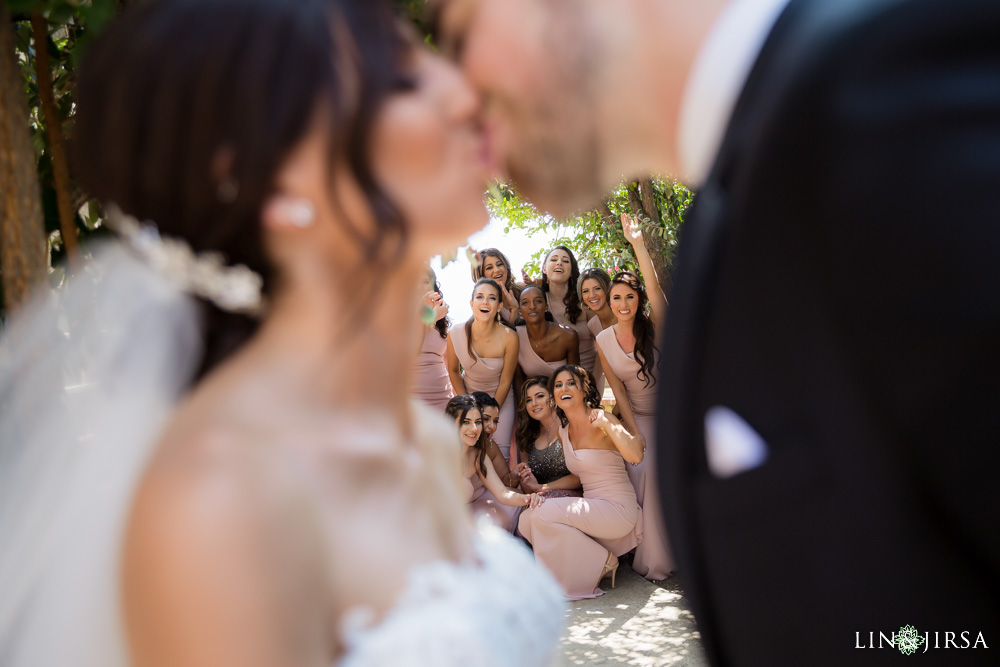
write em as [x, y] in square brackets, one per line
[57, 142]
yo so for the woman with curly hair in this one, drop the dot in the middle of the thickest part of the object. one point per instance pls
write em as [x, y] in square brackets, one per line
[579, 539]
[493, 264]
[543, 464]
[560, 273]
[628, 357]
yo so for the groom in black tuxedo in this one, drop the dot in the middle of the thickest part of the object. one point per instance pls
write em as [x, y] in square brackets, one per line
[829, 432]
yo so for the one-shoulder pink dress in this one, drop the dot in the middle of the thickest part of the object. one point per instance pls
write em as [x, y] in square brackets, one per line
[595, 327]
[529, 361]
[572, 536]
[483, 503]
[431, 383]
[483, 374]
[652, 558]
[588, 351]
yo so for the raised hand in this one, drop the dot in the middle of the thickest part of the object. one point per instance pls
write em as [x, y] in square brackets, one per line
[599, 418]
[434, 302]
[632, 229]
[508, 298]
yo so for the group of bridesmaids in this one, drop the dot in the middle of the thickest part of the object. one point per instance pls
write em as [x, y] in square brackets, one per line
[575, 481]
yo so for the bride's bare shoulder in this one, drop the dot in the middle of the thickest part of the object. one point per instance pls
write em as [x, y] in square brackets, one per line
[220, 537]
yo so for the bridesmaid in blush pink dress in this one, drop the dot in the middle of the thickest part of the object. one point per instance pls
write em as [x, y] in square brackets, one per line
[628, 357]
[493, 264]
[484, 491]
[543, 345]
[431, 383]
[482, 356]
[560, 274]
[593, 287]
[542, 467]
[579, 539]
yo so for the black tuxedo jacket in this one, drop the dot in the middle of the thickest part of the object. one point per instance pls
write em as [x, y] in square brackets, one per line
[838, 287]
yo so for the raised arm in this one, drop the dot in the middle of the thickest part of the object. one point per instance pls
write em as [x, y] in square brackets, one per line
[509, 366]
[621, 394]
[454, 367]
[657, 299]
[631, 447]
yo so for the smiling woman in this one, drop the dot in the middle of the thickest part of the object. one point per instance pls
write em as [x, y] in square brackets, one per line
[544, 344]
[482, 356]
[579, 539]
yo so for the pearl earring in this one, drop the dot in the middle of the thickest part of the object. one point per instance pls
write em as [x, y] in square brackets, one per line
[301, 213]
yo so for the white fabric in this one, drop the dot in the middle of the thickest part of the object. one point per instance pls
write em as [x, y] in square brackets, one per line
[504, 610]
[732, 446]
[88, 377]
[717, 78]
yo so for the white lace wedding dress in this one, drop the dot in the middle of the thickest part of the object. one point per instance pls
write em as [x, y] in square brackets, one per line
[88, 378]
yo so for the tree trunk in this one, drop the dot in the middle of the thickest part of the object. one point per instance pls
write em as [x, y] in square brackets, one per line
[57, 142]
[656, 245]
[22, 226]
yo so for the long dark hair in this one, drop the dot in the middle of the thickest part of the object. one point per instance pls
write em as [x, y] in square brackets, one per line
[468, 323]
[572, 299]
[444, 323]
[528, 428]
[642, 327]
[477, 270]
[171, 95]
[587, 383]
[458, 407]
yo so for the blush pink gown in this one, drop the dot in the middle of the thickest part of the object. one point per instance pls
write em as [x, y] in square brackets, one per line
[431, 383]
[595, 327]
[529, 361]
[572, 536]
[652, 558]
[483, 374]
[588, 351]
[483, 503]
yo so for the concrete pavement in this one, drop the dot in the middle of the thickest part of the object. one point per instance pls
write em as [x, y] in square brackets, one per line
[636, 623]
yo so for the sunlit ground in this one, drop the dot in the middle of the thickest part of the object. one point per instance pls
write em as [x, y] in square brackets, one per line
[636, 623]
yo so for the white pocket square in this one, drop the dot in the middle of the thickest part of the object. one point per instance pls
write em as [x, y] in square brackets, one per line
[731, 444]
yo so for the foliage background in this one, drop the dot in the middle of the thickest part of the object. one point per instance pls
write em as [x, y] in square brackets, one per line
[68, 218]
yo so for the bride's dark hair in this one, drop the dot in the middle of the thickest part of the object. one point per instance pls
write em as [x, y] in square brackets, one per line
[187, 108]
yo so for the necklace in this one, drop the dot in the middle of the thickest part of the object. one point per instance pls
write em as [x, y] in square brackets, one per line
[548, 433]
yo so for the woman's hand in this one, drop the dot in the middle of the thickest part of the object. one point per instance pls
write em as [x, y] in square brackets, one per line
[508, 298]
[529, 483]
[528, 280]
[632, 229]
[599, 418]
[435, 302]
[534, 500]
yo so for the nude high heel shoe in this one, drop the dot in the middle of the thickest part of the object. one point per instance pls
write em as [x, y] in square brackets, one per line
[610, 566]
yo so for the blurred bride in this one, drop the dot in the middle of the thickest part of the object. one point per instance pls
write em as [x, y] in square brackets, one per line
[201, 459]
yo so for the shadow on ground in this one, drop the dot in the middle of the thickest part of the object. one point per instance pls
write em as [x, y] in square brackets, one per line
[636, 623]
